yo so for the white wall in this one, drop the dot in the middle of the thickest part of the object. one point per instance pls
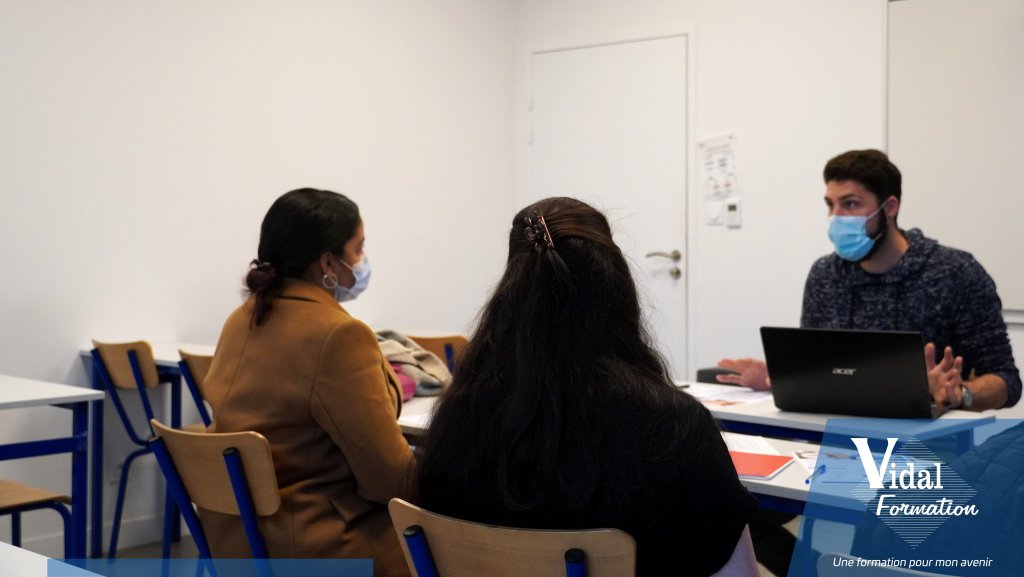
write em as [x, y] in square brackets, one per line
[797, 81]
[979, 41]
[141, 142]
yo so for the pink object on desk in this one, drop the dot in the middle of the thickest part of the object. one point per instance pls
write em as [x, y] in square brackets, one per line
[408, 385]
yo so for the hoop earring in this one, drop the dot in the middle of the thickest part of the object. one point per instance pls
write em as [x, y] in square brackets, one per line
[333, 278]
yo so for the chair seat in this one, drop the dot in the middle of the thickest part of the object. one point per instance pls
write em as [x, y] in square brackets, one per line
[13, 494]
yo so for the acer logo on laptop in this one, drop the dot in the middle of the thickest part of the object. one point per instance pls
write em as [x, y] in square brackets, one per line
[842, 371]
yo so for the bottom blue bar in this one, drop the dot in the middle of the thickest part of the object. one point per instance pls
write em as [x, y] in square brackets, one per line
[199, 567]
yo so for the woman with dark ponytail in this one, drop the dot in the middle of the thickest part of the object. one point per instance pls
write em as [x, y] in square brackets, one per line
[562, 415]
[293, 365]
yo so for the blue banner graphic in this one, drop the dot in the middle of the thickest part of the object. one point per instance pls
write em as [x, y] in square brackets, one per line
[908, 497]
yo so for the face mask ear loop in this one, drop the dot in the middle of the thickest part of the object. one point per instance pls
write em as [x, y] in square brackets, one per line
[349, 267]
[882, 230]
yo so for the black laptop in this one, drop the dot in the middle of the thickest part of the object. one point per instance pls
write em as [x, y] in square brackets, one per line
[846, 372]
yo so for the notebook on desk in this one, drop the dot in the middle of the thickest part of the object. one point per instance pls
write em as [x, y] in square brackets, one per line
[758, 465]
[845, 372]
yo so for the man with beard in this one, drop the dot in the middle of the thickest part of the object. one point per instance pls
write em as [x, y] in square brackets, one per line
[881, 277]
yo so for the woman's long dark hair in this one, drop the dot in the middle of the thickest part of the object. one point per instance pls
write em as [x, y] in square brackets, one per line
[299, 227]
[560, 353]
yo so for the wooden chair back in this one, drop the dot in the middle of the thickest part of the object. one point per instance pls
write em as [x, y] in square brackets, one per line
[115, 358]
[437, 346]
[199, 459]
[464, 549]
[198, 366]
[193, 371]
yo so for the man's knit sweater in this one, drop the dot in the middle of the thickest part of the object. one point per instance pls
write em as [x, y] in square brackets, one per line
[941, 292]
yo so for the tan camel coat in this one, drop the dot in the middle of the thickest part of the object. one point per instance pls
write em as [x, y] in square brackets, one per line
[312, 380]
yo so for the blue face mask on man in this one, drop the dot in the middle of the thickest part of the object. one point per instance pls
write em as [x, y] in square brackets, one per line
[850, 236]
[362, 272]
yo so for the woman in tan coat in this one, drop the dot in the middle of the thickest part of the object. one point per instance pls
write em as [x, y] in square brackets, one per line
[293, 365]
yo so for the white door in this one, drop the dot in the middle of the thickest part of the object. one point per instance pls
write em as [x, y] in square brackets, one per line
[608, 126]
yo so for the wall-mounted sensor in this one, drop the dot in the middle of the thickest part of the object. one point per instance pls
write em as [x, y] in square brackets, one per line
[732, 213]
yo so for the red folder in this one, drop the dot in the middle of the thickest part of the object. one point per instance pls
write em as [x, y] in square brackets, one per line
[758, 465]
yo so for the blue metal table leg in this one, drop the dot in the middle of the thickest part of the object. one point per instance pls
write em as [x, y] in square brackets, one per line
[79, 478]
[96, 547]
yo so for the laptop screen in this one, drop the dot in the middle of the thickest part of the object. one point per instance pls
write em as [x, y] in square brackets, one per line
[848, 372]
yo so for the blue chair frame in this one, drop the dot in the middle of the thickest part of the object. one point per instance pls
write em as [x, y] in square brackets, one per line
[180, 495]
[137, 439]
[243, 498]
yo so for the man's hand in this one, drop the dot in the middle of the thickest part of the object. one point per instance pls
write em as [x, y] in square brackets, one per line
[944, 377]
[753, 373]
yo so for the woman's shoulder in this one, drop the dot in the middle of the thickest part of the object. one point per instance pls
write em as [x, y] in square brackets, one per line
[346, 329]
[240, 319]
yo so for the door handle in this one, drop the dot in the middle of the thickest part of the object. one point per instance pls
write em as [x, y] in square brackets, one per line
[675, 255]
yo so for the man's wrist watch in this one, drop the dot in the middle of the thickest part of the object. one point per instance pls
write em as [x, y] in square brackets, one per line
[966, 398]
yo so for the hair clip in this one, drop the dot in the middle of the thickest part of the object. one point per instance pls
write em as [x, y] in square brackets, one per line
[538, 231]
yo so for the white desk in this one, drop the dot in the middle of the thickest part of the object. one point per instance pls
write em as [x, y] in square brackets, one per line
[15, 561]
[18, 393]
[789, 490]
[166, 356]
[18, 561]
[762, 417]
[791, 482]
[416, 414]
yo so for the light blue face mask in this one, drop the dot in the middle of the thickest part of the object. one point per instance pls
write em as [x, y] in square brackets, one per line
[362, 273]
[850, 236]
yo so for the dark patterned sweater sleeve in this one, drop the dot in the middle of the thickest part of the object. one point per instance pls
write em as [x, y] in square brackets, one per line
[979, 324]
